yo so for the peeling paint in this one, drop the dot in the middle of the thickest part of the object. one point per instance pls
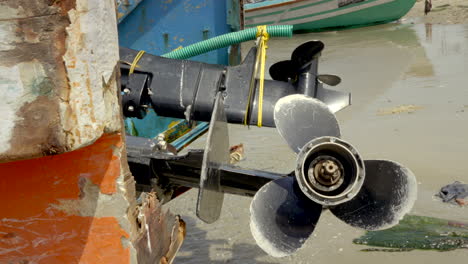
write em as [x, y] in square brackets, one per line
[66, 220]
[92, 25]
[58, 77]
[8, 37]
[72, 46]
[19, 85]
[92, 202]
[7, 12]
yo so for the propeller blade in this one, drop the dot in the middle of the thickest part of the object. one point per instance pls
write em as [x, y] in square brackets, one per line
[282, 71]
[329, 79]
[388, 193]
[282, 218]
[303, 55]
[300, 118]
[335, 100]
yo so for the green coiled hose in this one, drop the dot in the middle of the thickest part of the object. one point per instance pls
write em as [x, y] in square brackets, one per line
[226, 40]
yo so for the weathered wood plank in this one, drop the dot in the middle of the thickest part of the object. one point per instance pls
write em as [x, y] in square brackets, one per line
[58, 62]
[161, 235]
[59, 96]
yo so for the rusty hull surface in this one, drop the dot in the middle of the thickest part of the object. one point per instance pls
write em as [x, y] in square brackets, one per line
[66, 192]
[79, 207]
[58, 93]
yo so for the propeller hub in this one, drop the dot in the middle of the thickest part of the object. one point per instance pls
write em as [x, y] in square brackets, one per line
[329, 171]
[326, 173]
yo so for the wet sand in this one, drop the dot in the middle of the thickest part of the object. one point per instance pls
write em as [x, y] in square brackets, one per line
[443, 12]
[386, 68]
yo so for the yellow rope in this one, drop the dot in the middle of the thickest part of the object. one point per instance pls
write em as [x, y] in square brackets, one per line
[264, 37]
[251, 89]
[135, 61]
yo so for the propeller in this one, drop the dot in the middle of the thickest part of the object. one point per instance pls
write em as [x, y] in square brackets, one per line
[301, 58]
[316, 120]
[284, 224]
[389, 192]
[329, 79]
[330, 174]
[305, 53]
[283, 71]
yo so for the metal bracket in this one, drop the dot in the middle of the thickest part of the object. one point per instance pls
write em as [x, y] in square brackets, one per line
[135, 95]
[210, 197]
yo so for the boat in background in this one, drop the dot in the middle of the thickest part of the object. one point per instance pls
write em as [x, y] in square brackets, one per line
[319, 15]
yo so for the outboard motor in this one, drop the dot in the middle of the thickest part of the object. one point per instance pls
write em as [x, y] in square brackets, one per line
[330, 173]
[187, 89]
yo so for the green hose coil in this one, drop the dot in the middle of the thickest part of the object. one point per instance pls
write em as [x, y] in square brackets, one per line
[227, 40]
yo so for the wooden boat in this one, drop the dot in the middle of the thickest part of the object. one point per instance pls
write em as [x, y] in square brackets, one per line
[66, 192]
[315, 15]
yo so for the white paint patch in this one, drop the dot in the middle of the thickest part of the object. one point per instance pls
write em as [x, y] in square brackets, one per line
[8, 36]
[7, 12]
[97, 204]
[9, 84]
[91, 57]
[181, 86]
[15, 87]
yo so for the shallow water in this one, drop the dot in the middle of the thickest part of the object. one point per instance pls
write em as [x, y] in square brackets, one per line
[401, 67]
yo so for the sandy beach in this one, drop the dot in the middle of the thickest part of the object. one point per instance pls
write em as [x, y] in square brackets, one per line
[443, 12]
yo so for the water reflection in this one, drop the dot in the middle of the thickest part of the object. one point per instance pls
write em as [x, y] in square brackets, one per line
[428, 27]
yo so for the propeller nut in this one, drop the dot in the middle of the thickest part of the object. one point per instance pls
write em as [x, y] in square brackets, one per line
[326, 173]
[330, 171]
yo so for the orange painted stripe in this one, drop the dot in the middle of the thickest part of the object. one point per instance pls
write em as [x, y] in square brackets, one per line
[32, 230]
